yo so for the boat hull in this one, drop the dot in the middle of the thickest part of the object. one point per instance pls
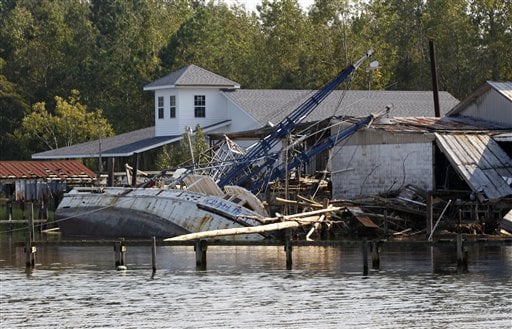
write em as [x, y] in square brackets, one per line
[144, 213]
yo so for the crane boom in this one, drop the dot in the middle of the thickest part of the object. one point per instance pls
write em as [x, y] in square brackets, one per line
[234, 175]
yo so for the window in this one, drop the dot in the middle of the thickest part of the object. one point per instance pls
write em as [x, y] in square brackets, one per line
[160, 107]
[172, 106]
[200, 106]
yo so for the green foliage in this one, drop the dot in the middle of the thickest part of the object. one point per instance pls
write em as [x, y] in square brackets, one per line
[12, 109]
[70, 124]
[178, 154]
[109, 49]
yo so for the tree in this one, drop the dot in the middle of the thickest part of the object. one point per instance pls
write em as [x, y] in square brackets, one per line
[70, 124]
[178, 154]
[47, 45]
[493, 22]
[218, 38]
[449, 26]
[284, 25]
[130, 35]
[12, 109]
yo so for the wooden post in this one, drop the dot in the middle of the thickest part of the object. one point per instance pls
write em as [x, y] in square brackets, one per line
[462, 261]
[365, 256]
[200, 248]
[429, 214]
[375, 247]
[110, 169]
[288, 249]
[9, 213]
[153, 255]
[385, 222]
[31, 220]
[30, 252]
[135, 169]
[120, 255]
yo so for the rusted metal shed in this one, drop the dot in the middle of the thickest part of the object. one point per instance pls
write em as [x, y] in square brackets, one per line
[33, 180]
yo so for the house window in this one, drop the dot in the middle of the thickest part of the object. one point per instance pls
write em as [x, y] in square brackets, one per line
[160, 107]
[200, 106]
[172, 106]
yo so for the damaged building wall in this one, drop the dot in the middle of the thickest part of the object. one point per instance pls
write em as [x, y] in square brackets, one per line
[374, 161]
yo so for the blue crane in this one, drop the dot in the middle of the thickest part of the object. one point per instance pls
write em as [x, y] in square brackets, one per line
[244, 170]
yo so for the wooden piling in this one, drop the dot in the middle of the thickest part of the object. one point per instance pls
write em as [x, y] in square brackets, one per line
[365, 256]
[429, 214]
[288, 249]
[375, 248]
[31, 220]
[386, 228]
[120, 255]
[153, 255]
[462, 261]
[30, 252]
[200, 248]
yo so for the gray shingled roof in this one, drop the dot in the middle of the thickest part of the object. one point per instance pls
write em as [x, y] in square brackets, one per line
[120, 145]
[274, 105]
[191, 75]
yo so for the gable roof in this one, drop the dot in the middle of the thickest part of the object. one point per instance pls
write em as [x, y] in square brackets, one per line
[273, 105]
[191, 76]
[54, 170]
[503, 88]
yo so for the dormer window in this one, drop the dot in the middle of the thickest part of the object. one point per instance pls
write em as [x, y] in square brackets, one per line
[172, 106]
[200, 106]
[160, 107]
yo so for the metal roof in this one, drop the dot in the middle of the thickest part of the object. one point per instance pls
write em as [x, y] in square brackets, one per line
[123, 145]
[480, 161]
[504, 88]
[120, 145]
[55, 170]
[273, 105]
[191, 75]
[433, 124]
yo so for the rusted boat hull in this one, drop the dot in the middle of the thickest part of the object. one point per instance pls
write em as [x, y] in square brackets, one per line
[146, 212]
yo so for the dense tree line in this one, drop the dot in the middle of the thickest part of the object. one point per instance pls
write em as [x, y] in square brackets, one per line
[106, 50]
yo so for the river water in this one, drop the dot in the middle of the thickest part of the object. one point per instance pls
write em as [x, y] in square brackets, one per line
[417, 286]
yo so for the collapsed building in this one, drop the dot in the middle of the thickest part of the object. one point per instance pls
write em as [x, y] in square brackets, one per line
[457, 167]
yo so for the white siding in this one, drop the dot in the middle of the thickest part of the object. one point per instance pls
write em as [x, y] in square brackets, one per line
[241, 120]
[216, 110]
[167, 126]
[371, 169]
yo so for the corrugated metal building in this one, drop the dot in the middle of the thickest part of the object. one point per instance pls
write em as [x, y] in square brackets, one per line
[434, 154]
[454, 152]
[491, 102]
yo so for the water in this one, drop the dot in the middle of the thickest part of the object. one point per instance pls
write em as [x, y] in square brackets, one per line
[249, 287]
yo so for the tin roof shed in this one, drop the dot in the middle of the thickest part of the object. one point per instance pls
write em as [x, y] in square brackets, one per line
[480, 161]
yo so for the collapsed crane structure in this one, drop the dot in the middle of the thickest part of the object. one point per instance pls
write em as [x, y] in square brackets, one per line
[256, 167]
[220, 198]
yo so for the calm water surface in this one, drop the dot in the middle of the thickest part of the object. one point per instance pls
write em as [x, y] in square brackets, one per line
[249, 287]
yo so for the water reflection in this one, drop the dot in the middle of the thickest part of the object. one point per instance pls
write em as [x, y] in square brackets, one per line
[416, 286]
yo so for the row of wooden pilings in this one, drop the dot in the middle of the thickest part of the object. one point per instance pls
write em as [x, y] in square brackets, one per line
[201, 247]
[372, 248]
